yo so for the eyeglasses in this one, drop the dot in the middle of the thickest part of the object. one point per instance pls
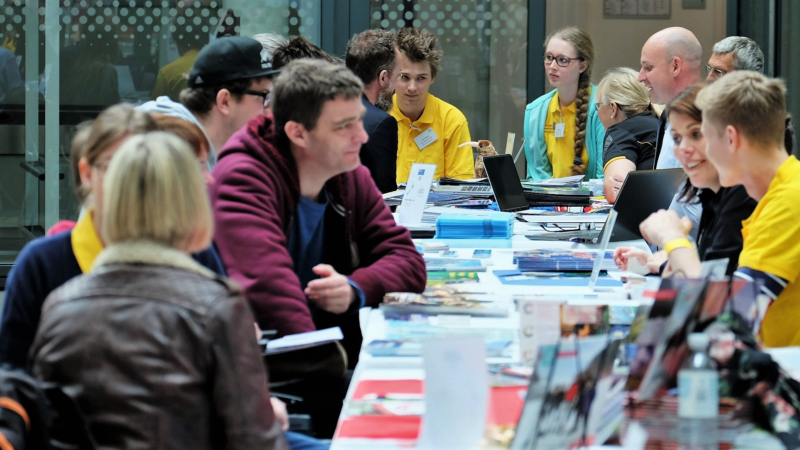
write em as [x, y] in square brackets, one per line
[717, 72]
[562, 61]
[102, 166]
[267, 96]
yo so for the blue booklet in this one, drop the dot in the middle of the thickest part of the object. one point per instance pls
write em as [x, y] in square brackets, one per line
[475, 226]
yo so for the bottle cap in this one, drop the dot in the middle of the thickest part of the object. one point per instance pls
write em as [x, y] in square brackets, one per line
[698, 342]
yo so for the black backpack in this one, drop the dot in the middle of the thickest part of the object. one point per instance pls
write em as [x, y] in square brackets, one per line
[39, 416]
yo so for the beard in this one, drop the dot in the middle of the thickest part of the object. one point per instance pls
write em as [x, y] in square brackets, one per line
[384, 101]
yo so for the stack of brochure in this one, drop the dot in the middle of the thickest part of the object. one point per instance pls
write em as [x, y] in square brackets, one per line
[475, 226]
[554, 260]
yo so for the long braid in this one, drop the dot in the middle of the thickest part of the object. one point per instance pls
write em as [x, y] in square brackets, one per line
[581, 117]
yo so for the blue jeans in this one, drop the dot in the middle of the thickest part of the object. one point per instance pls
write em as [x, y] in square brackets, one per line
[299, 441]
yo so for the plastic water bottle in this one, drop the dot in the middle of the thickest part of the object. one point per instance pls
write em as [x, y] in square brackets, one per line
[698, 397]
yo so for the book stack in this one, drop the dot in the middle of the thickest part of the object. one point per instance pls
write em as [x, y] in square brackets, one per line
[553, 260]
[475, 226]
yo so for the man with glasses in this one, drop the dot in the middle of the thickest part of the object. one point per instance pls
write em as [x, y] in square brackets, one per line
[741, 53]
[229, 84]
[734, 53]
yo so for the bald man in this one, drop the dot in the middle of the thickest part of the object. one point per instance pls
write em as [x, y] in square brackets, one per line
[671, 62]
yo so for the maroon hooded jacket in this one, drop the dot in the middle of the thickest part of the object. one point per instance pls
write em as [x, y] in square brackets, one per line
[255, 196]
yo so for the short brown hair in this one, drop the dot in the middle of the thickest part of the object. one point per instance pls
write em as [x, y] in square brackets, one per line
[750, 102]
[299, 47]
[76, 152]
[304, 86]
[187, 131]
[420, 45]
[369, 53]
[200, 100]
[113, 124]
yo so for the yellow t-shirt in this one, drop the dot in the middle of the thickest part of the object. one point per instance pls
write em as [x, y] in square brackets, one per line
[561, 150]
[770, 245]
[173, 78]
[450, 127]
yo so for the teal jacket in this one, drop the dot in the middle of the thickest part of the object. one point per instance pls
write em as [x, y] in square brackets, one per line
[539, 167]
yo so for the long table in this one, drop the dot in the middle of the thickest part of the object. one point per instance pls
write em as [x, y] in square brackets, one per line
[393, 368]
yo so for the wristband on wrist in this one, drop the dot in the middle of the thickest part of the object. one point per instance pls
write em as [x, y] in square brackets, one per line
[677, 243]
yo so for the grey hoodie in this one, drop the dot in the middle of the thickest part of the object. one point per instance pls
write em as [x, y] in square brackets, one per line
[165, 105]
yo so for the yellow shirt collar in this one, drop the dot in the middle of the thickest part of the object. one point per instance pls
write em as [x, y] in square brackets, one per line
[428, 114]
[555, 105]
[86, 244]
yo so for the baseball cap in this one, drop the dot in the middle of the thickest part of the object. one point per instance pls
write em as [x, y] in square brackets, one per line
[230, 58]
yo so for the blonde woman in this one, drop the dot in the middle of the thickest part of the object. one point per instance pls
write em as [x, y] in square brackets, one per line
[45, 264]
[156, 350]
[563, 136]
[631, 123]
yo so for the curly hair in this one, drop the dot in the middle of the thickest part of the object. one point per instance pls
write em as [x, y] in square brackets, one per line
[419, 45]
[582, 43]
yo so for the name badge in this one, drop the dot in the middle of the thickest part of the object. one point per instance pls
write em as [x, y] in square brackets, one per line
[559, 127]
[426, 138]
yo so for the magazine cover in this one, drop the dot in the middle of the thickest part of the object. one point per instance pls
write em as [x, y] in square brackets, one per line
[711, 298]
[454, 264]
[442, 300]
[671, 349]
[570, 393]
[584, 320]
[525, 432]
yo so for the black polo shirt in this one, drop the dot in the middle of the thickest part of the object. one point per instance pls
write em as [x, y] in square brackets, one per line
[633, 139]
[720, 232]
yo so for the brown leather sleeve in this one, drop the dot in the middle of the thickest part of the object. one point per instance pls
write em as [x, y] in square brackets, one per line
[239, 388]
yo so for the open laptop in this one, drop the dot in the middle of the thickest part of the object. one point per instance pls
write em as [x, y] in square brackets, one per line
[643, 193]
[505, 183]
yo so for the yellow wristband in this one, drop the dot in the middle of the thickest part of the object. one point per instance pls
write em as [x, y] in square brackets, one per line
[675, 244]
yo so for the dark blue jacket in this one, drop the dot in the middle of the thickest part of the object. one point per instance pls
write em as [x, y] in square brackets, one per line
[379, 154]
[42, 266]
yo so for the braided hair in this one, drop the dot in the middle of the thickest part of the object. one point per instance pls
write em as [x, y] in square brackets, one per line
[582, 43]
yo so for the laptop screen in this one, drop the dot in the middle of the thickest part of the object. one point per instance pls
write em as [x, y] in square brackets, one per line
[505, 183]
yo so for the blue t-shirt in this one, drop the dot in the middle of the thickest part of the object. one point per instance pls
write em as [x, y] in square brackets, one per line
[306, 240]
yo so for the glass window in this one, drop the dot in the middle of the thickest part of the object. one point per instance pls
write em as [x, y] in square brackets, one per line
[618, 42]
[485, 56]
[86, 55]
[789, 69]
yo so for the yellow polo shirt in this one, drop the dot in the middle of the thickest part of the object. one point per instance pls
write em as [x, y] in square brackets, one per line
[173, 78]
[770, 245]
[561, 150]
[450, 127]
[86, 244]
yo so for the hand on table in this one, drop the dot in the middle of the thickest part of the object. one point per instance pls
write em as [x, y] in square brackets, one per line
[332, 292]
[623, 254]
[281, 415]
[664, 226]
[655, 261]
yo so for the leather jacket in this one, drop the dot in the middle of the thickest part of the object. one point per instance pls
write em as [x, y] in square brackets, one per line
[157, 352]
